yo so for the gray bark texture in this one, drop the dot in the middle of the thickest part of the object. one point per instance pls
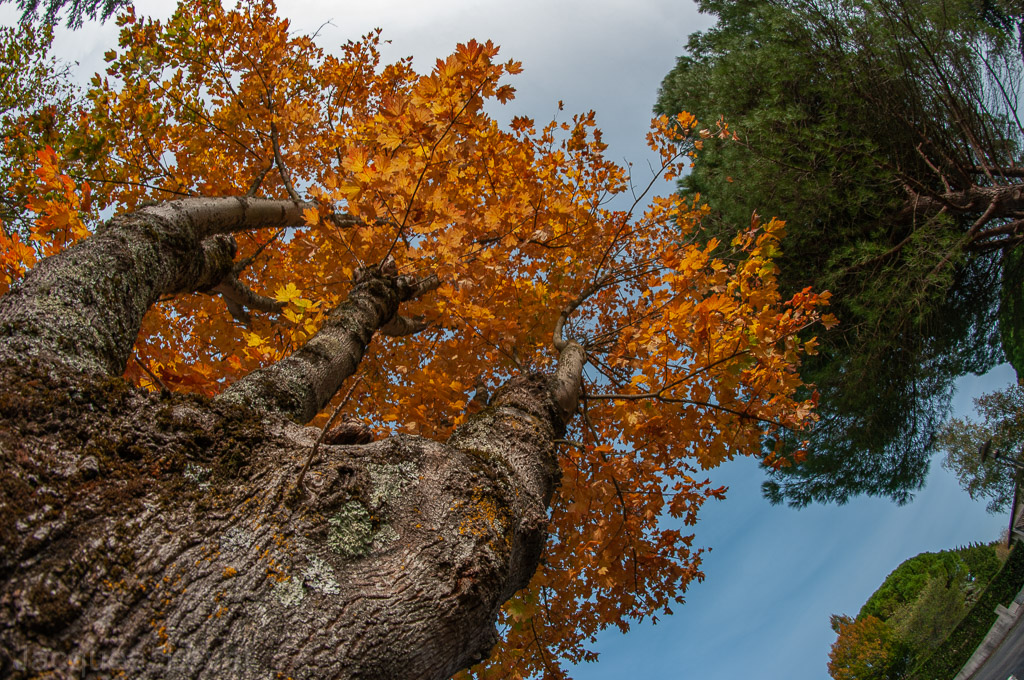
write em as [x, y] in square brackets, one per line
[154, 535]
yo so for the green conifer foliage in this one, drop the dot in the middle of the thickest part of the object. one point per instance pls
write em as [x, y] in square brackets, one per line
[884, 132]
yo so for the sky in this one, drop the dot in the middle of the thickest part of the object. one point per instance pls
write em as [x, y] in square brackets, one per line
[774, 574]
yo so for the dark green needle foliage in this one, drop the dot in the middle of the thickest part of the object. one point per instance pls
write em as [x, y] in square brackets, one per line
[74, 12]
[885, 133]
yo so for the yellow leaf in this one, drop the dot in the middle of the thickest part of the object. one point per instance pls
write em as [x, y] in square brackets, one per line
[287, 293]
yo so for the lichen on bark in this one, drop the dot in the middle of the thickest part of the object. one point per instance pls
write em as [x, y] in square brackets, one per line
[351, 530]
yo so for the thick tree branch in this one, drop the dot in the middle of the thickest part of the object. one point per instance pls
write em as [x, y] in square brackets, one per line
[229, 215]
[1009, 199]
[240, 298]
[996, 244]
[84, 307]
[998, 170]
[300, 385]
[400, 326]
[567, 382]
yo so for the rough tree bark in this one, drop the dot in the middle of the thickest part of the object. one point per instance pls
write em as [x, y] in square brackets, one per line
[162, 536]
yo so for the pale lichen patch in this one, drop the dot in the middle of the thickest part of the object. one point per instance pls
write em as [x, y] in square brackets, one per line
[198, 475]
[236, 538]
[351, 530]
[290, 591]
[319, 576]
[389, 481]
[385, 536]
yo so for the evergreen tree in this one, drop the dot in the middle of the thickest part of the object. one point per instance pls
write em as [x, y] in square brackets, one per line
[885, 133]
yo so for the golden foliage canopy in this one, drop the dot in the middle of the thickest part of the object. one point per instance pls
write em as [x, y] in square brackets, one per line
[691, 355]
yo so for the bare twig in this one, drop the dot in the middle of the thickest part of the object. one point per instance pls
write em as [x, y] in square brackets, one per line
[242, 264]
[426, 165]
[679, 400]
[558, 339]
[153, 376]
[323, 432]
[928, 162]
[540, 648]
[258, 180]
[282, 169]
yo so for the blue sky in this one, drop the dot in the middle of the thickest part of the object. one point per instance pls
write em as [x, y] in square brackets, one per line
[774, 574]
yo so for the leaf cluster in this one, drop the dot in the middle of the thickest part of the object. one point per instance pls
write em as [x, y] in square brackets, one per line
[39, 107]
[1011, 309]
[867, 649]
[75, 11]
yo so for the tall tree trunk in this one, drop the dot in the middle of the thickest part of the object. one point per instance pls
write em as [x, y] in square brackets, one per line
[162, 536]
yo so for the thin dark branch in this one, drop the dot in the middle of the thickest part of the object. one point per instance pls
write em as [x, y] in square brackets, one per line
[540, 649]
[323, 433]
[243, 264]
[679, 400]
[426, 165]
[281, 168]
[258, 180]
[151, 374]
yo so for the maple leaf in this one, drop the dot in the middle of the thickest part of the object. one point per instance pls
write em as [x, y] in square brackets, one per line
[287, 293]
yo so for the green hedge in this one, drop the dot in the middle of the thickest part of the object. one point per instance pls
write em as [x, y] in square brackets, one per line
[952, 654]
